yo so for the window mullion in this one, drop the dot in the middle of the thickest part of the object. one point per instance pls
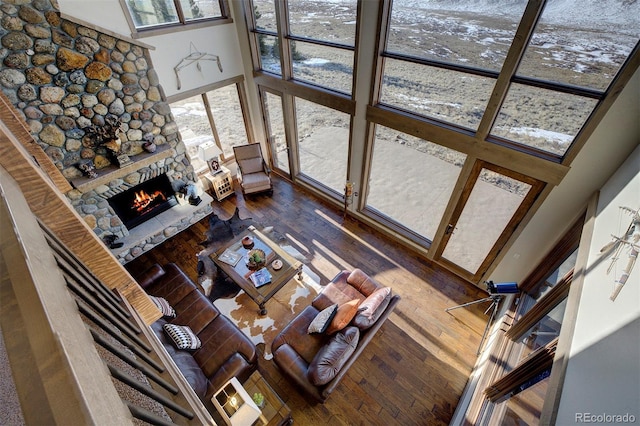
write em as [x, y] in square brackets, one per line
[514, 56]
[282, 20]
[212, 123]
[178, 7]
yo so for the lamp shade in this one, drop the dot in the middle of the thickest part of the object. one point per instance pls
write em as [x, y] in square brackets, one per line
[208, 150]
[235, 405]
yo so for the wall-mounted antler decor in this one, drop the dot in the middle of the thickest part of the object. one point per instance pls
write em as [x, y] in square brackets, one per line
[630, 240]
[195, 56]
[108, 137]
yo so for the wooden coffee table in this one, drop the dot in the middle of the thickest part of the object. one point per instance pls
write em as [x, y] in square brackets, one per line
[239, 272]
[274, 412]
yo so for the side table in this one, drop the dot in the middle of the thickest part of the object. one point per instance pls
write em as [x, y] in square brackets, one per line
[221, 183]
[275, 412]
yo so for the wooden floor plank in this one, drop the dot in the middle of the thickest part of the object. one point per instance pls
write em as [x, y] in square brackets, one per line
[414, 370]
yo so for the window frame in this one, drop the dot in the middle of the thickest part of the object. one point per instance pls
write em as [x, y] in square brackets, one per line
[182, 25]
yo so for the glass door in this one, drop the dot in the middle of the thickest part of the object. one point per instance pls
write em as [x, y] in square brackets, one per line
[491, 205]
[273, 114]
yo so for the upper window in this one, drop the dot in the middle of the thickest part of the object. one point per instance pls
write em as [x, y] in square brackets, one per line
[214, 117]
[442, 60]
[151, 14]
[333, 22]
[569, 63]
[320, 41]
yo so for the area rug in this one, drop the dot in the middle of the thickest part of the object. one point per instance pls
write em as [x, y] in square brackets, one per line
[281, 309]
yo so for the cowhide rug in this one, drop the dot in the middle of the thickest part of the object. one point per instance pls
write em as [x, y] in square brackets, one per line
[281, 309]
[235, 304]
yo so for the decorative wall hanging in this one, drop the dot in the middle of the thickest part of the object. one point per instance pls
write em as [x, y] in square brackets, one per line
[195, 56]
[107, 136]
[629, 242]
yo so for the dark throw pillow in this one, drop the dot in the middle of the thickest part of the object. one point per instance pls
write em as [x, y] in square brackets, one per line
[323, 320]
[332, 356]
[182, 336]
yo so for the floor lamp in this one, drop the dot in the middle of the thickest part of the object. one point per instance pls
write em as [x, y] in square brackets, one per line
[495, 296]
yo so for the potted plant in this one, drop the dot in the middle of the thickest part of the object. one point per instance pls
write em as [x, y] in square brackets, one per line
[258, 398]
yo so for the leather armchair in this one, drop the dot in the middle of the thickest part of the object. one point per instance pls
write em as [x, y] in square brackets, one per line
[296, 352]
[255, 175]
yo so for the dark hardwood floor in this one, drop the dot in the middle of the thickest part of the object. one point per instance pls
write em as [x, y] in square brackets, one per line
[414, 370]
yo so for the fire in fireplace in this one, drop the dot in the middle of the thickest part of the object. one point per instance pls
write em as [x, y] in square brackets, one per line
[144, 201]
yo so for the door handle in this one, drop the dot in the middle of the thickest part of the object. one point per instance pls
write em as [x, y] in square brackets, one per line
[449, 229]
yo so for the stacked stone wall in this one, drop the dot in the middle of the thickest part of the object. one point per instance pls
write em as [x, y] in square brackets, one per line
[65, 78]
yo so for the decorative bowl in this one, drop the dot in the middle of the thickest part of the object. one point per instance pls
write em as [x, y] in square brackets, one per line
[247, 242]
[277, 264]
[256, 259]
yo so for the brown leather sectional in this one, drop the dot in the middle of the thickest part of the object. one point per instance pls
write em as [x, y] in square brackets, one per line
[309, 359]
[225, 353]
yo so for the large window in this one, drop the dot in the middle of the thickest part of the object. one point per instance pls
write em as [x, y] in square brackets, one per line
[429, 175]
[443, 59]
[445, 95]
[151, 14]
[464, 111]
[323, 142]
[215, 116]
[568, 64]
[471, 34]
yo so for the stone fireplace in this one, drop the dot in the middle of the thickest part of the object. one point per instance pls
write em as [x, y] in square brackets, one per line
[72, 82]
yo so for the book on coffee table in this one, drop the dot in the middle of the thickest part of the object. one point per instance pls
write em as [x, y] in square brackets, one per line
[260, 277]
[231, 257]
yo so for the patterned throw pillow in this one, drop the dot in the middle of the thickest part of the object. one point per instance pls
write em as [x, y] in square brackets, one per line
[182, 336]
[322, 320]
[164, 306]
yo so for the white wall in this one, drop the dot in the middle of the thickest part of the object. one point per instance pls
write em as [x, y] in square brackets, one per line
[168, 50]
[614, 139]
[603, 372]
[107, 14]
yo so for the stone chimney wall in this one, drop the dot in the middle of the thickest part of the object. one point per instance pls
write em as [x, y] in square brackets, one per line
[64, 78]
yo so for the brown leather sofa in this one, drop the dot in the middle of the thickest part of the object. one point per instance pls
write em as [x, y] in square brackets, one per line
[317, 362]
[225, 352]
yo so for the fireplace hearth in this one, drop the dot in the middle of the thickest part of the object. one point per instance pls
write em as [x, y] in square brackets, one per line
[144, 201]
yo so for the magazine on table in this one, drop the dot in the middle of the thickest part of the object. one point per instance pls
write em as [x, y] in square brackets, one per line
[260, 277]
[231, 257]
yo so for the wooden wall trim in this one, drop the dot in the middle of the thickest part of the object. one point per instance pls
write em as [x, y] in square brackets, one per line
[48, 204]
[467, 143]
[308, 92]
[561, 360]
